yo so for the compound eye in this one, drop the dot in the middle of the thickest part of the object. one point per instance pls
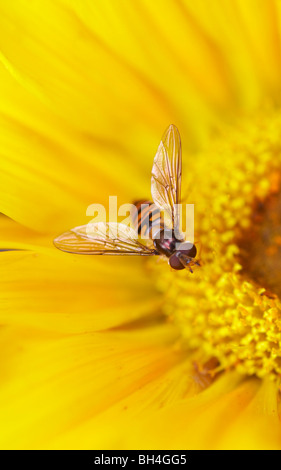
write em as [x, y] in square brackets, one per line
[175, 262]
[188, 249]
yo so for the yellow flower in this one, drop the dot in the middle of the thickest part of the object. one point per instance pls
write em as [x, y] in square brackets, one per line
[123, 353]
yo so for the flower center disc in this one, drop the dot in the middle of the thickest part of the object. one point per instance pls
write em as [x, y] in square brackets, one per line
[261, 246]
[230, 308]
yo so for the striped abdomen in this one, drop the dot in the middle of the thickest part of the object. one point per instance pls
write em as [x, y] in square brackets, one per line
[147, 220]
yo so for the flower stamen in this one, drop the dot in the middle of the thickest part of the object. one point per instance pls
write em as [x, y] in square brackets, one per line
[232, 310]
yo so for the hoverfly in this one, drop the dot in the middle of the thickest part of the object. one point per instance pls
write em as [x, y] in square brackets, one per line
[119, 239]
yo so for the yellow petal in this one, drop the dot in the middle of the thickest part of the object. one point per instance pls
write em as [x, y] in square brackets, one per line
[85, 91]
[115, 426]
[258, 426]
[73, 294]
[246, 36]
[231, 414]
[46, 289]
[51, 386]
[196, 422]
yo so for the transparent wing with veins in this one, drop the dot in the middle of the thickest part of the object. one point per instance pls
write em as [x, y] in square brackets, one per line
[166, 175]
[102, 239]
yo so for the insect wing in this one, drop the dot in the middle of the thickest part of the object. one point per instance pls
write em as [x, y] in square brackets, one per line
[166, 175]
[102, 239]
